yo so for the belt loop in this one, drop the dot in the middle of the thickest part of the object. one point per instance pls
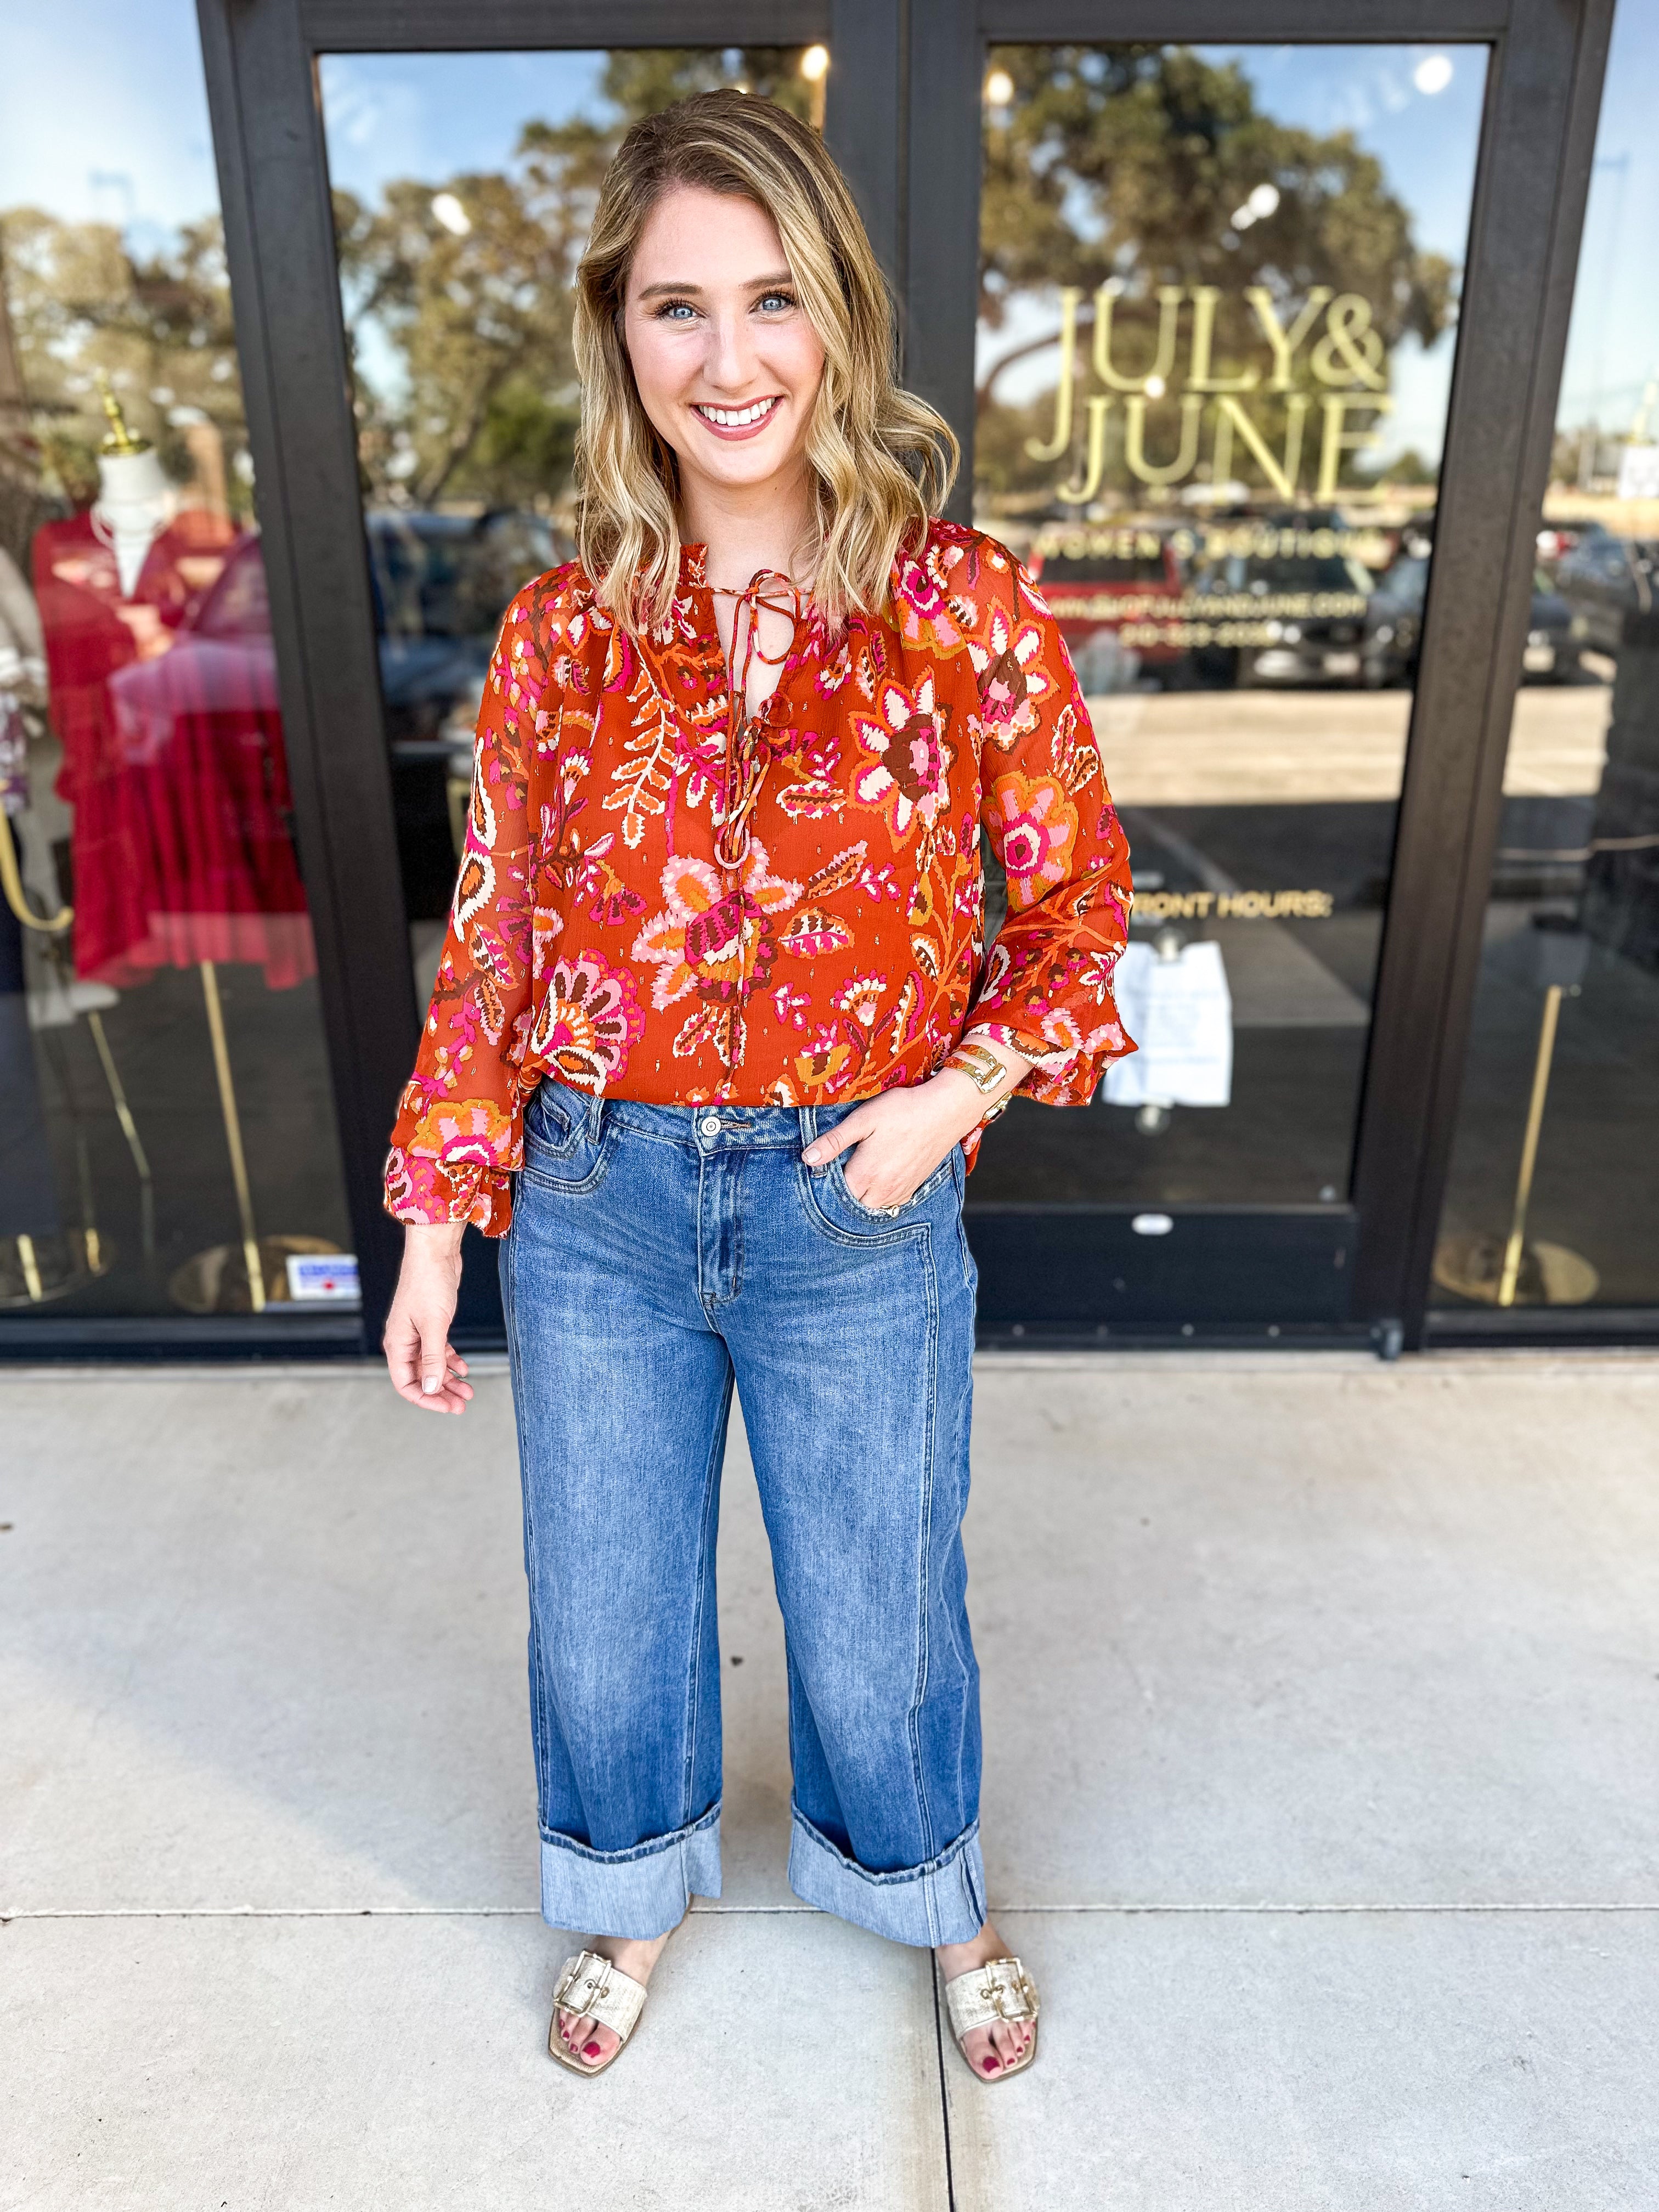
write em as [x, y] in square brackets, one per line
[809, 1124]
[595, 1117]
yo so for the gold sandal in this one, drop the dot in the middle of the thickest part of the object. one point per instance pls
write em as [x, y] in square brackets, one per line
[1000, 1990]
[592, 1988]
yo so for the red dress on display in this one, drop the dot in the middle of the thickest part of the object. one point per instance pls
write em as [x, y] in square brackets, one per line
[174, 764]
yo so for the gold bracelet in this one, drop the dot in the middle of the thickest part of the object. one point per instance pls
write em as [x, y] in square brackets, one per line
[982, 1066]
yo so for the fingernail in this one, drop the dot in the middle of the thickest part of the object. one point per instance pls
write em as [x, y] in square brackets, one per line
[428, 1385]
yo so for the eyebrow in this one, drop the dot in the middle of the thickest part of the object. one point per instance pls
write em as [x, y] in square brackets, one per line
[754, 284]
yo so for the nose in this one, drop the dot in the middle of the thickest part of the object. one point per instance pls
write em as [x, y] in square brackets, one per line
[730, 366]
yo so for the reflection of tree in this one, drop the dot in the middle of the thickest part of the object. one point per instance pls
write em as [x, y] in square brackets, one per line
[80, 299]
[1130, 163]
[484, 403]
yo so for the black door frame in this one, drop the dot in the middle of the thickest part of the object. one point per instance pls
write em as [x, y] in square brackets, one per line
[903, 117]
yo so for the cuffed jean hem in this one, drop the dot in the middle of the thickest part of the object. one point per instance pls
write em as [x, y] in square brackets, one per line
[943, 1902]
[640, 1893]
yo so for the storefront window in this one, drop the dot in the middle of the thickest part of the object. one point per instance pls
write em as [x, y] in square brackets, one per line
[464, 186]
[1217, 303]
[1553, 1198]
[167, 1130]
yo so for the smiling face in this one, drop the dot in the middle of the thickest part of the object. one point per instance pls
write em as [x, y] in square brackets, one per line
[726, 364]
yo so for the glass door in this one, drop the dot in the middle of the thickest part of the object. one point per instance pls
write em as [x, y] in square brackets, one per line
[463, 185]
[1552, 1208]
[169, 1163]
[1218, 308]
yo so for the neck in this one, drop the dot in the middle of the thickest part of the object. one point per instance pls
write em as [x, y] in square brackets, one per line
[748, 527]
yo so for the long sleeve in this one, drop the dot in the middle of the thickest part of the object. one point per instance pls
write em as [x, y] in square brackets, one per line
[459, 1135]
[1048, 987]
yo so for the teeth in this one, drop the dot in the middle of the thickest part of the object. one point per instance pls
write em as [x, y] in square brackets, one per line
[738, 418]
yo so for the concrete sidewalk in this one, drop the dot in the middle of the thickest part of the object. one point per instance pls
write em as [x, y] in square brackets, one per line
[1321, 1705]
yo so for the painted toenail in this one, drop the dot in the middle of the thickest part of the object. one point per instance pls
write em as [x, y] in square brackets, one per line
[991, 2065]
[590, 2050]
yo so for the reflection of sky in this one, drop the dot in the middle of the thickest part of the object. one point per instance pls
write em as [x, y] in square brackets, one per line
[1612, 346]
[433, 116]
[390, 116]
[1426, 144]
[103, 115]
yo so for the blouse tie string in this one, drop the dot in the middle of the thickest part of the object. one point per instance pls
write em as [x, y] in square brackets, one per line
[747, 755]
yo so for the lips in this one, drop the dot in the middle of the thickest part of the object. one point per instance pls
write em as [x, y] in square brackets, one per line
[737, 422]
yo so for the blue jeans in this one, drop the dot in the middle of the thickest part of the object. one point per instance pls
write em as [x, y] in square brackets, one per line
[658, 1254]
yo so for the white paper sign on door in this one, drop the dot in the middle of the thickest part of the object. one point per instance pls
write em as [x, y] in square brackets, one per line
[1180, 1012]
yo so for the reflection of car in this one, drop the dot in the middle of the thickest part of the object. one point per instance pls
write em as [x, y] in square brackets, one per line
[1559, 537]
[1550, 650]
[1096, 579]
[1603, 579]
[1301, 614]
[440, 583]
[1394, 624]
[1393, 621]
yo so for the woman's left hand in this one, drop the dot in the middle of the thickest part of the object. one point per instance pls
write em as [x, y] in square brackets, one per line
[902, 1137]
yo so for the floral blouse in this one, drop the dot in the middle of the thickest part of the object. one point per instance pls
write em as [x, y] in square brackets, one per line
[596, 935]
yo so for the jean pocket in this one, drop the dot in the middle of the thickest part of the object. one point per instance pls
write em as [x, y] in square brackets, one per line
[831, 1206]
[560, 1150]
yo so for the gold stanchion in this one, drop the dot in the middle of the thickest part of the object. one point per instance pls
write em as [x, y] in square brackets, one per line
[11, 881]
[255, 1270]
[1540, 1083]
[1514, 1271]
[52, 1267]
[255, 1274]
[130, 1131]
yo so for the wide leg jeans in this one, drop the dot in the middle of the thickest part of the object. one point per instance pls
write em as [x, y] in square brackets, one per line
[658, 1256]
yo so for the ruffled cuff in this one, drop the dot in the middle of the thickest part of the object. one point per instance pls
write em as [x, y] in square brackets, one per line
[1067, 1060]
[421, 1189]
[1058, 1011]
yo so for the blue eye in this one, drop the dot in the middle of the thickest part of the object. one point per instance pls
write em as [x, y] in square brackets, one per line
[671, 310]
[775, 300]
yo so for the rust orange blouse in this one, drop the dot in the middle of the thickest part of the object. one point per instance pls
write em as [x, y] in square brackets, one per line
[595, 934]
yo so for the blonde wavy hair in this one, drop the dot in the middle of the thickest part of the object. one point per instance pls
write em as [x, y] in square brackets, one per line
[882, 459]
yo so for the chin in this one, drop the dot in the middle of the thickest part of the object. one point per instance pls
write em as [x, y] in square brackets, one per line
[747, 466]
[775, 443]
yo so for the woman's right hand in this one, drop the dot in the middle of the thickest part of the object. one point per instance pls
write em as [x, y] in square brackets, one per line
[424, 1365]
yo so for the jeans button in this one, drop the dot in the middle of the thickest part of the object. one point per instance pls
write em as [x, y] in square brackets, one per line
[711, 1125]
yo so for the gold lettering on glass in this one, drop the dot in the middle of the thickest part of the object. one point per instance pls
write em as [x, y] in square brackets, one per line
[1281, 474]
[1135, 440]
[1348, 359]
[1052, 448]
[1199, 377]
[1283, 342]
[1079, 495]
[1169, 297]
[1337, 439]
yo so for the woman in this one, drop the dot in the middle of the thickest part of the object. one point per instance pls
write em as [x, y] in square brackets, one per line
[713, 1040]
